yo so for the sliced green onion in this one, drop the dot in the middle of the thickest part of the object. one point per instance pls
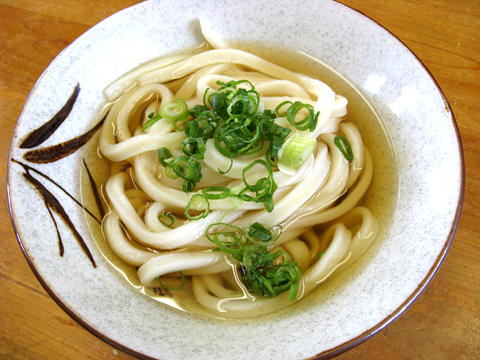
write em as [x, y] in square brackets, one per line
[205, 98]
[188, 186]
[272, 160]
[228, 238]
[263, 189]
[192, 128]
[226, 171]
[314, 122]
[347, 152]
[320, 253]
[261, 235]
[189, 169]
[264, 278]
[293, 292]
[293, 111]
[279, 108]
[276, 134]
[152, 120]
[231, 117]
[194, 147]
[197, 202]
[219, 103]
[197, 109]
[170, 173]
[174, 112]
[241, 135]
[239, 103]
[257, 269]
[309, 122]
[244, 102]
[216, 192]
[296, 150]
[184, 281]
[254, 102]
[262, 183]
[170, 219]
[234, 198]
[164, 155]
[268, 202]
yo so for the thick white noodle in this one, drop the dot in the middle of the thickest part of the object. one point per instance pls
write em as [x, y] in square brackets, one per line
[299, 253]
[347, 204]
[355, 139]
[212, 38]
[126, 250]
[189, 87]
[173, 262]
[119, 86]
[367, 232]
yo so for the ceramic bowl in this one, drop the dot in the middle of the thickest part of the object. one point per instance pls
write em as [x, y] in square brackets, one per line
[416, 192]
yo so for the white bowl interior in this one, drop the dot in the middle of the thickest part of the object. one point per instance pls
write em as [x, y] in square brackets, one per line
[411, 195]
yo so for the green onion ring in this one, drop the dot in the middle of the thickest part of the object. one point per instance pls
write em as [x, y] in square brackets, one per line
[347, 152]
[184, 281]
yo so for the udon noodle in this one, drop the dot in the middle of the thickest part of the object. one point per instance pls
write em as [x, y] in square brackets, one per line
[315, 217]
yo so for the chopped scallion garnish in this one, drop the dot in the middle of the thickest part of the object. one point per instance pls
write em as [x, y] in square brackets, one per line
[258, 271]
[231, 118]
[151, 120]
[262, 190]
[262, 235]
[174, 112]
[308, 122]
[296, 150]
[167, 219]
[216, 192]
[197, 203]
[228, 238]
[164, 155]
[347, 152]
[184, 281]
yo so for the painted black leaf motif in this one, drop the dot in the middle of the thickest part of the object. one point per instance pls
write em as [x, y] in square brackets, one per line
[53, 204]
[41, 134]
[53, 153]
[56, 152]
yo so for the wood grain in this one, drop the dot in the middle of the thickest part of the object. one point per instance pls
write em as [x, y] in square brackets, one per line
[444, 323]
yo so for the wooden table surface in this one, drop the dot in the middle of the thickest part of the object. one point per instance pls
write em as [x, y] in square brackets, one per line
[444, 323]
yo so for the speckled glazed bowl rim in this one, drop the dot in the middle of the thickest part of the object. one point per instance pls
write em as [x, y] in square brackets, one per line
[342, 31]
